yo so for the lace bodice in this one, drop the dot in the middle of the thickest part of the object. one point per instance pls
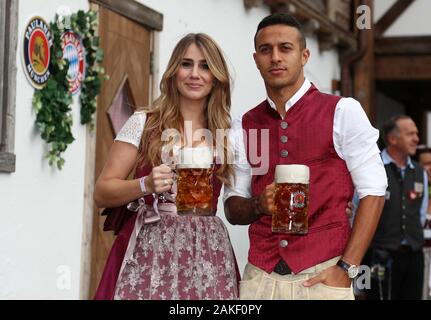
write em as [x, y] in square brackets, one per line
[132, 130]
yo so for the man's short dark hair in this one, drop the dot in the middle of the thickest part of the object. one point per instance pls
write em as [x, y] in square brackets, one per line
[282, 18]
[421, 149]
[391, 126]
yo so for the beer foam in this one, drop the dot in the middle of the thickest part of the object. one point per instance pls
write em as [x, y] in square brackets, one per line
[195, 158]
[292, 173]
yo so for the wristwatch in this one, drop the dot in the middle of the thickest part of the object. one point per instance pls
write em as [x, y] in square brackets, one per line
[351, 269]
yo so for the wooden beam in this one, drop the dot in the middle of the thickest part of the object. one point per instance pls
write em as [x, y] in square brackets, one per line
[303, 11]
[403, 67]
[327, 41]
[3, 74]
[408, 92]
[7, 162]
[340, 12]
[8, 43]
[363, 70]
[252, 3]
[134, 11]
[420, 45]
[391, 15]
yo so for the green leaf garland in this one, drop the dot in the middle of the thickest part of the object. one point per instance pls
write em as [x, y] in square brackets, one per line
[52, 103]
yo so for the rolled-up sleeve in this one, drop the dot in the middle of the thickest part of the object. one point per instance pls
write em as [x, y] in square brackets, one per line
[241, 182]
[355, 141]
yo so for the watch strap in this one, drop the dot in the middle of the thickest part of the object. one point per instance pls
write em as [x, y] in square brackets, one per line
[343, 265]
[351, 269]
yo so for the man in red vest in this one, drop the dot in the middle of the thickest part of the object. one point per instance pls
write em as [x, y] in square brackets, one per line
[297, 124]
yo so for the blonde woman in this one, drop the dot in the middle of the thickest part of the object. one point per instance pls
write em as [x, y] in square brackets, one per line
[166, 255]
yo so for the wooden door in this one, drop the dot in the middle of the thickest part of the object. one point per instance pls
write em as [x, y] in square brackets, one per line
[126, 46]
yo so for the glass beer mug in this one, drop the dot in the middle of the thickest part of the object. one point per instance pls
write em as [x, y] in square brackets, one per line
[291, 199]
[194, 181]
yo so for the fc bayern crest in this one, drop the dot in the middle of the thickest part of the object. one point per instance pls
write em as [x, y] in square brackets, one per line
[73, 51]
[37, 51]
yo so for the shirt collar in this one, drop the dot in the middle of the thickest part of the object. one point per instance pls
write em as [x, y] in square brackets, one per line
[298, 95]
[386, 158]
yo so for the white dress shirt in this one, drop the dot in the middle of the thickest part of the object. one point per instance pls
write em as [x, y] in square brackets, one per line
[354, 140]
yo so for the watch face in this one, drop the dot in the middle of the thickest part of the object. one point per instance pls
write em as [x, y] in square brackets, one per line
[353, 271]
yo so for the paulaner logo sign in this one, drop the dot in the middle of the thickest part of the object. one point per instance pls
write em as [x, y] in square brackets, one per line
[37, 51]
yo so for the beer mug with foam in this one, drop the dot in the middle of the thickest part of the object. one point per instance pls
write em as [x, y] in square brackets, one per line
[194, 181]
[291, 200]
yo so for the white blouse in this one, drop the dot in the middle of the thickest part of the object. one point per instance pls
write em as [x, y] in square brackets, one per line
[132, 130]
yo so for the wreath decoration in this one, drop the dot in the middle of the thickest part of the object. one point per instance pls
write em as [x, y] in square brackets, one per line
[52, 104]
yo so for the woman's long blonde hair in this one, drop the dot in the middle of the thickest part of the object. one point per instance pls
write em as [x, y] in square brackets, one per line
[165, 111]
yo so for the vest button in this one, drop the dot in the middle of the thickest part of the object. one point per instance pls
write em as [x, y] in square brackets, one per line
[284, 125]
[283, 243]
[283, 139]
[284, 153]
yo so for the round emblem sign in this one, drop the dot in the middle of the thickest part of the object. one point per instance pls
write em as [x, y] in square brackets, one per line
[37, 51]
[73, 51]
[298, 199]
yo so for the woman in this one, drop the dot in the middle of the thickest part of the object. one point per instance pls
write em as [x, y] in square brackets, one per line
[170, 256]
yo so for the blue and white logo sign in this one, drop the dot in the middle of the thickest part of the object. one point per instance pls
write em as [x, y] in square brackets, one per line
[73, 51]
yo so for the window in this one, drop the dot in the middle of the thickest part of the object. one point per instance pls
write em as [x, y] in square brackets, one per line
[8, 50]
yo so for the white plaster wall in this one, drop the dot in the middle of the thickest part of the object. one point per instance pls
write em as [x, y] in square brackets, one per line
[414, 21]
[233, 28]
[41, 207]
[322, 67]
[380, 7]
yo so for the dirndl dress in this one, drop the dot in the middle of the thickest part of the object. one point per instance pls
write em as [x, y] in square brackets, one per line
[177, 256]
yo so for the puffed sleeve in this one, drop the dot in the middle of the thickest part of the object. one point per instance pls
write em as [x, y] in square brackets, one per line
[132, 130]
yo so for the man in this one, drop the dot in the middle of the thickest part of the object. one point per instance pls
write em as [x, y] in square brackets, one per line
[297, 124]
[395, 255]
[423, 155]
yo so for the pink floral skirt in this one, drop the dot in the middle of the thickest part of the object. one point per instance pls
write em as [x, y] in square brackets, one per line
[181, 257]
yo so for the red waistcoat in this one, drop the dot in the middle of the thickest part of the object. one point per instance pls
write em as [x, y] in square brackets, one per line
[309, 134]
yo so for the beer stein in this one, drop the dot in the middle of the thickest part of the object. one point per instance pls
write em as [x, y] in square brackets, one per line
[194, 181]
[291, 199]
